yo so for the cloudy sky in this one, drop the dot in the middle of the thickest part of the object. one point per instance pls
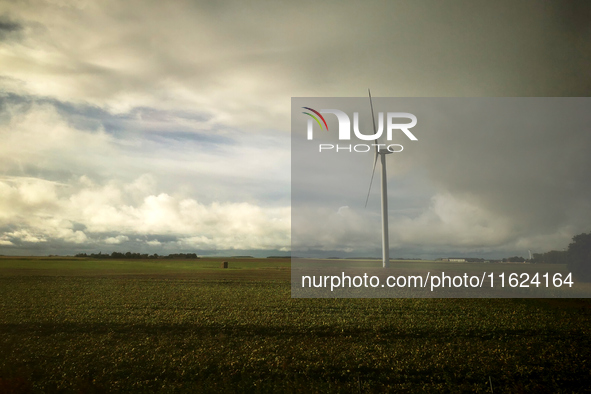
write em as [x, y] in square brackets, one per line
[164, 127]
[487, 176]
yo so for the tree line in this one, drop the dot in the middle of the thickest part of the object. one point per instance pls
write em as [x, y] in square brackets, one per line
[132, 255]
[551, 257]
[577, 257]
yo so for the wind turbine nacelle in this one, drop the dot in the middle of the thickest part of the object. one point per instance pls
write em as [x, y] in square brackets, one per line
[345, 125]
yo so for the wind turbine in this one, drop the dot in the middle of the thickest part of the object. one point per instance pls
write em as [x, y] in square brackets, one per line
[381, 153]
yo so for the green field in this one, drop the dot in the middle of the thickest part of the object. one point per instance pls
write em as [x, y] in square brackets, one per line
[81, 325]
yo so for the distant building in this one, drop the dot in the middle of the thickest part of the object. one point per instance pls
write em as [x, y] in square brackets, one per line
[462, 260]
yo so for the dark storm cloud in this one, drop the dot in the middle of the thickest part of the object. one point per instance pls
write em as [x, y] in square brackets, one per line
[501, 173]
[574, 16]
[8, 28]
[530, 165]
[242, 61]
[153, 123]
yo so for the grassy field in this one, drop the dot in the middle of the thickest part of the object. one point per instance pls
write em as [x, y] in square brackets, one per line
[90, 326]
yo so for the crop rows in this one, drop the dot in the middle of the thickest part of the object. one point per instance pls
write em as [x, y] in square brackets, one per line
[118, 334]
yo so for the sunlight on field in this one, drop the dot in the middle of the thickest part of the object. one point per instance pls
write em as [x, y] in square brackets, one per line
[207, 329]
[73, 266]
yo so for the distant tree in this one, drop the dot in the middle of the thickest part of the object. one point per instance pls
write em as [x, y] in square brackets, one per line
[579, 257]
[182, 256]
[551, 257]
[137, 255]
[514, 259]
[537, 258]
[555, 257]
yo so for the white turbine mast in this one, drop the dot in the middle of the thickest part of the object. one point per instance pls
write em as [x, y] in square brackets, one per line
[382, 154]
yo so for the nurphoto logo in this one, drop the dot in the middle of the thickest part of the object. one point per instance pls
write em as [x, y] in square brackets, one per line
[345, 130]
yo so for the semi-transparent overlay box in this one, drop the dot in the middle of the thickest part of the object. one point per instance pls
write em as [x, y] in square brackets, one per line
[467, 179]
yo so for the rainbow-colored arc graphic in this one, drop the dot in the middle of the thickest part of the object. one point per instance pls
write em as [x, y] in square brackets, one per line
[315, 118]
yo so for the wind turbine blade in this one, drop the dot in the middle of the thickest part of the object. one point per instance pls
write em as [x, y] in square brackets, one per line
[371, 181]
[377, 152]
[373, 120]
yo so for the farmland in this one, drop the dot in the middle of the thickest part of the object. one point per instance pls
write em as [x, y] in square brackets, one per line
[81, 325]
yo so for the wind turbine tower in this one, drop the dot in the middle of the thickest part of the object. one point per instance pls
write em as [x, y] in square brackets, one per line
[381, 153]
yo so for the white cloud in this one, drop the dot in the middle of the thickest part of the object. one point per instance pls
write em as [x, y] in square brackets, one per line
[5, 241]
[25, 236]
[116, 240]
[453, 221]
[36, 135]
[103, 189]
[338, 229]
[114, 208]
[450, 223]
